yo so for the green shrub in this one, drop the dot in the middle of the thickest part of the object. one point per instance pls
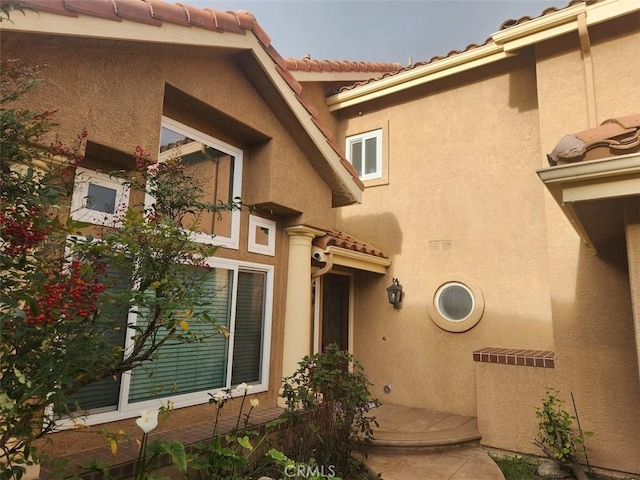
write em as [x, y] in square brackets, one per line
[556, 436]
[328, 402]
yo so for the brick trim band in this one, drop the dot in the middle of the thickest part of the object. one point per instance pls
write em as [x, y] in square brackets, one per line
[525, 358]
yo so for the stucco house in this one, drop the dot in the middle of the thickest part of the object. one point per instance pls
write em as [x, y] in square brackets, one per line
[500, 186]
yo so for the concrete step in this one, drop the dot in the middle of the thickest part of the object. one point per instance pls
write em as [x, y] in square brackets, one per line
[415, 443]
[417, 430]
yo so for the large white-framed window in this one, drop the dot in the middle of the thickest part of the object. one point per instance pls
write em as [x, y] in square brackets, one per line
[364, 152]
[98, 198]
[217, 166]
[240, 297]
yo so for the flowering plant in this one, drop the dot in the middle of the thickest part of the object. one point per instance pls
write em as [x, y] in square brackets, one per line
[57, 308]
[227, 456]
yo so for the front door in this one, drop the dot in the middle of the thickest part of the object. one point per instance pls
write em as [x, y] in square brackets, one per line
[334, 312]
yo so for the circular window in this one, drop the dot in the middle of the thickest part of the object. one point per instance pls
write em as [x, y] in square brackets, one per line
[454, 301]
[457, 305]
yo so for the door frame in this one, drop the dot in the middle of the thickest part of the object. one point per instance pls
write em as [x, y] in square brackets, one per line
[318, 291]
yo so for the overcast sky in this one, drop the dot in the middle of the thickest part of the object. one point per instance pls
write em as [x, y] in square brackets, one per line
[379, 30]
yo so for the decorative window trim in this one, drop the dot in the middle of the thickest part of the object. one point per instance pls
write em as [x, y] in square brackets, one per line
[256, 222]
[362, 137]
[79, 211]
[233, 241]
[443, 321]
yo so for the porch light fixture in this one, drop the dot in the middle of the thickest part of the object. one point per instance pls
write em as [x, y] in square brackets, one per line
[394, 291]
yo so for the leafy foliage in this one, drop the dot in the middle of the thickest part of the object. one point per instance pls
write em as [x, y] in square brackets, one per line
[556, 436]
[57, 308]
[328, 402]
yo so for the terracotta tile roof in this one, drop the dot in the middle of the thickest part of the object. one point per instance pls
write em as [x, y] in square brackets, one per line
[343, 240]
[616, 136]
[505, 25]
[156, 12]
[308, 65]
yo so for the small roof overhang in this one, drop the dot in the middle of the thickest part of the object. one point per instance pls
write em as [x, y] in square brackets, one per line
[337, 248]
[592, 194]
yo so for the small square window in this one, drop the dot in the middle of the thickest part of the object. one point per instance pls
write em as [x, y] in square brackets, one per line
[262, 236]
[98, 198]
[364, 152]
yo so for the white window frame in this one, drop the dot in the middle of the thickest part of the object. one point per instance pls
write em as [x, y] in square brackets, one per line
[233, 241]
[130, 410]
[362, 137]
[256, 222]
[79, 210]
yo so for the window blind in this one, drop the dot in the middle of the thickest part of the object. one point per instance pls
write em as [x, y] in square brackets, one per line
[247, 344]
[181, 368]
[102, 396]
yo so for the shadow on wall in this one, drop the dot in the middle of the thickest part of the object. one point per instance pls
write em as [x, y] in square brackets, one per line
[380, 229]
[597, 357]
[523, 86]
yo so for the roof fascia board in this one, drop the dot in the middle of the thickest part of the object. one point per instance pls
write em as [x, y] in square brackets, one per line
[324, 77]
[420, 75]
[127, 30]
[540, 24]
[619, 166]
[622, 187]
[305, 120]
[361, 261]
[562, 22]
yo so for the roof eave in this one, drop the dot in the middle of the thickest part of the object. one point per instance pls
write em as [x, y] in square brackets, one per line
[349, 191]
[503, 44]
[418, 76]
[562, 22]
[583, 183]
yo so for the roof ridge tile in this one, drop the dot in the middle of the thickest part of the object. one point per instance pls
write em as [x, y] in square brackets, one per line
[135, 10]
[225, 22]
[106, 9]
[168, 12]
[200, 18]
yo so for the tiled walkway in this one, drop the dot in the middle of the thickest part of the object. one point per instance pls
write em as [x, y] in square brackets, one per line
[417, 444]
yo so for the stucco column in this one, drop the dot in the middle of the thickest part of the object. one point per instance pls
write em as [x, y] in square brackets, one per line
[298, 314]
[632, 232]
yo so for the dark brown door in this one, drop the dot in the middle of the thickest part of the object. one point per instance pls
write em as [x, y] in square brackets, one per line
[335, 311]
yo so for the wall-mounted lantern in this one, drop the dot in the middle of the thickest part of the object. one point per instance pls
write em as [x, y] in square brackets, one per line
[395, 293]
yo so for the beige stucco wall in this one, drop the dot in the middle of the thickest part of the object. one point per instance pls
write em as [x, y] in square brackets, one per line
[632, 219]
[594, 334]
[462, 155]
[463, 198]
[514, 392]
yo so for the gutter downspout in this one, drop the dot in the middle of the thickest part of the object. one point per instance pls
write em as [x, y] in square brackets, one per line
[585, 48]
[327, 267]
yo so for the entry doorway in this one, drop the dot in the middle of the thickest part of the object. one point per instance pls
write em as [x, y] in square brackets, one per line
[333, 318]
